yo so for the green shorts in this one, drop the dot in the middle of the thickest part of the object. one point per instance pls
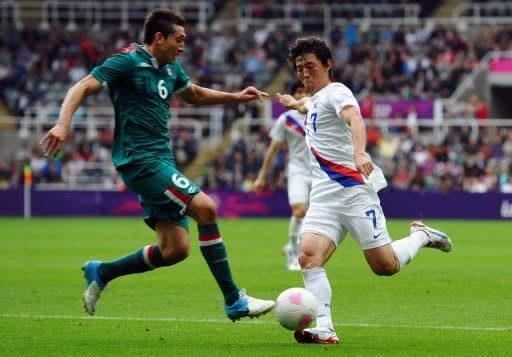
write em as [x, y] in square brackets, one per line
[164, 192]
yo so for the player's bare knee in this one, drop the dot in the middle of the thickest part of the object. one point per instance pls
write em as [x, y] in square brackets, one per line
[307, 261]
[205, 212]
[176, 253]
[208, 214]
[203, 209]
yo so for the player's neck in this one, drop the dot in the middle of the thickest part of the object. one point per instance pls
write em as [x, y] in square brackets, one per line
[151, 50]
[321, 86]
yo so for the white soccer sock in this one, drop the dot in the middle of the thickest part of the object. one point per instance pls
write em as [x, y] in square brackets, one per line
[315, 280]
[407, 248]
[293, 233]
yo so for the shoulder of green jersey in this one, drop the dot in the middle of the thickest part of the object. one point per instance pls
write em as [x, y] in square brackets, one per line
[144, 64]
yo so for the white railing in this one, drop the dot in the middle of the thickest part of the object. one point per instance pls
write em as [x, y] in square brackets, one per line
[461, 23]
[290, 11]
[102, 175]
[478, 11]
[433, 130]
[95, 14]
[29, 125]
[323, 15]
[10, 13]
[92, 174]
[325, 18]
[202, 120]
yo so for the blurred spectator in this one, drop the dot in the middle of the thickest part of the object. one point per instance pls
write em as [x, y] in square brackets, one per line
[52, 171]
[74, 166]
[5, 176]
[507, 186]
[402, 177]
[412, 121]
[184, 146]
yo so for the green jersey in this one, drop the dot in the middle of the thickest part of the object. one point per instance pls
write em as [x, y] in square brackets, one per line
[141, 93]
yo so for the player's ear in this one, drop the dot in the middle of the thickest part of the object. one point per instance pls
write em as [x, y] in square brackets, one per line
[159, 37]
[329, 65]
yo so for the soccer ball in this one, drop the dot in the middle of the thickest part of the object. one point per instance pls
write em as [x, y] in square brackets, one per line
[295, 308]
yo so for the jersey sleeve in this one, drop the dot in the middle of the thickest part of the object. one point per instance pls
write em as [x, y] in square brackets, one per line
[182, 78]
[342, 97]
[278, 131]
[114, 68]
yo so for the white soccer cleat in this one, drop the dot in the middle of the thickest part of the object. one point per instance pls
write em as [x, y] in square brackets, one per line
[322, 335]
[436, 239]
[94, 285]
[91, 297]
[248, 306]
[258, 307]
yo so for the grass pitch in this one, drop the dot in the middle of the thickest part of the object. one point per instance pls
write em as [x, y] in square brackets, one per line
[455, 304]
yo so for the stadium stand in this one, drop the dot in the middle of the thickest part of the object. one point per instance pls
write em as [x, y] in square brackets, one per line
[386, 50]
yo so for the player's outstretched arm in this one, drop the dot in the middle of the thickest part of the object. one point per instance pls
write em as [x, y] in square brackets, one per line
[54, 138]
[259, 183]
[352, 117]
[291, 103]
[195, 94]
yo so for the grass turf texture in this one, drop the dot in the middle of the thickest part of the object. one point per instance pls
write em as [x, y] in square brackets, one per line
[442, 304]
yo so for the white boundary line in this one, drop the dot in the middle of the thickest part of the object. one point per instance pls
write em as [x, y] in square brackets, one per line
[226, 321]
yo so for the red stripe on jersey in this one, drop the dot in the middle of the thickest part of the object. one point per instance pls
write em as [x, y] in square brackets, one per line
[292, 124]
[179, 195]
[207, 237]
[343, 170]
[129, 48]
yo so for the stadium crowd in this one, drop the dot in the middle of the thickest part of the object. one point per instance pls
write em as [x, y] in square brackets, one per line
[36, 66]
[392, 62]
[460, 163]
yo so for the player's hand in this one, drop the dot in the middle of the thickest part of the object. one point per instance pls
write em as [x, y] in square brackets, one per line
[52, 141]
[363, 164]
[287, 100]
[251, 93]
[259, 184]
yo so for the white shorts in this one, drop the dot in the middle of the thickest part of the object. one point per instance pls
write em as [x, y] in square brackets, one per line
[299, 187]
[355, 210]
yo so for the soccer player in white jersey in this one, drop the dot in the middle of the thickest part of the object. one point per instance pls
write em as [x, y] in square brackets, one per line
[289, 128]
[344, 190]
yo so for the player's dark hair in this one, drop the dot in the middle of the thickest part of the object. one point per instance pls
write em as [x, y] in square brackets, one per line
[310, 44]
[161, 20]
[296, 85]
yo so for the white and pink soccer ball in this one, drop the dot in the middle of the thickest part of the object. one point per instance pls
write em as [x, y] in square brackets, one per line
[296, 309]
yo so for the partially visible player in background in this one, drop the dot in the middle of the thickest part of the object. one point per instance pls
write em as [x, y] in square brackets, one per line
[289, 128]
[141, 81]
[344, 190]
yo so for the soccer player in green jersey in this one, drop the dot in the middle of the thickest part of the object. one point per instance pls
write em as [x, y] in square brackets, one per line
[141, 80]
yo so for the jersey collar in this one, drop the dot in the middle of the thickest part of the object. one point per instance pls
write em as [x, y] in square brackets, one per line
[148, 56]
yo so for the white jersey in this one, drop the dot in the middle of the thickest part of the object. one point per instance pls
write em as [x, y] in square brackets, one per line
[329, 139]
[341, 201]
[289, 127]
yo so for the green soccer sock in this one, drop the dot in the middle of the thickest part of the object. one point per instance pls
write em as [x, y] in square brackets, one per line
[214, 252]
[144, 259]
